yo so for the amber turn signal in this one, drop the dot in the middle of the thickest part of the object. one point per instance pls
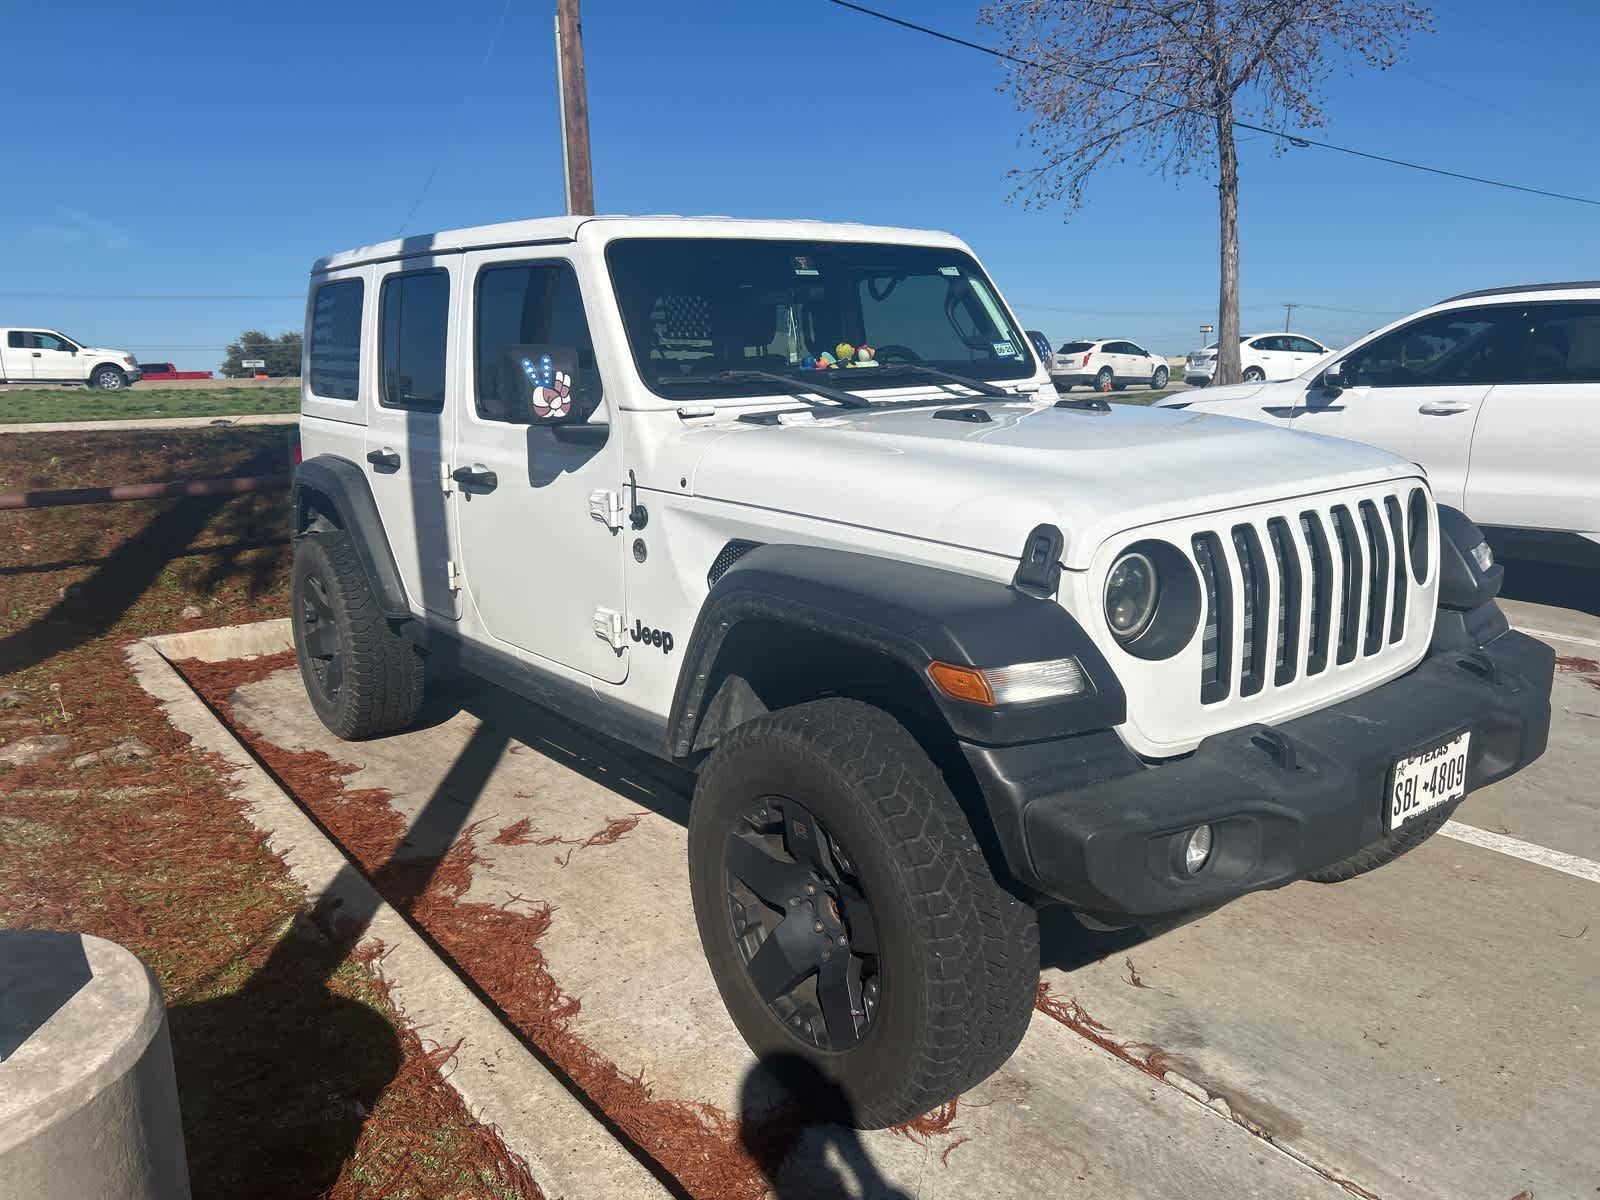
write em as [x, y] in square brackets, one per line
[961, 683]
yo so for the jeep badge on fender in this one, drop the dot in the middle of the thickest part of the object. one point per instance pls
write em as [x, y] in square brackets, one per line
[659, 638]
[1161, 659]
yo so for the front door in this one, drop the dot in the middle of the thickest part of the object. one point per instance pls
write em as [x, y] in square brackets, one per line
[408, 423]
[1417, 390]
[56, 358]
[541, 547]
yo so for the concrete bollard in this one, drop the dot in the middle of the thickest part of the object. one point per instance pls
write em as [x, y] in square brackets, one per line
[88, 1098]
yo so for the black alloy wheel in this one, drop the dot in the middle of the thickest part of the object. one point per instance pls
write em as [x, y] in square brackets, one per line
[802, 924]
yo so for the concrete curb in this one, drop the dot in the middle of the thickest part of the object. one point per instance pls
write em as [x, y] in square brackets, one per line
[120, 426]
[567, 1148]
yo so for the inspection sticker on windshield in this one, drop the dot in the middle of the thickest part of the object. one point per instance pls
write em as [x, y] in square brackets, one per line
[949, 270]
[802, 266]
[1006, 350]
[1428, 779]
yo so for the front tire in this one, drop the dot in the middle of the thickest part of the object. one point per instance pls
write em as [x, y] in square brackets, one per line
[1160, 379]
[849, 916]
[363, 677]
[108, 377]
[1386, 849]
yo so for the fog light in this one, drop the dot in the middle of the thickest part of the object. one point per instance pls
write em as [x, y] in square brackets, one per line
[1197, 849]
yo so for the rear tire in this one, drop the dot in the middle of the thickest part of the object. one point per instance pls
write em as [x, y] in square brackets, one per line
[1390, 847]
[941, 964]
[1254, 375]
[1103, 380]
[363, 677]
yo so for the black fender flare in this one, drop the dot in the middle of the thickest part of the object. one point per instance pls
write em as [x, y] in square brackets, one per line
[912, 614]
[341, 485]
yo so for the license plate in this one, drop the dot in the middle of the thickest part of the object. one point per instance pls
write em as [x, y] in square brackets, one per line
[1428, 779]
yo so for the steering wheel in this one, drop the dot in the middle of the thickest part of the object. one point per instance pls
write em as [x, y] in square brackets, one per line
[905, 352]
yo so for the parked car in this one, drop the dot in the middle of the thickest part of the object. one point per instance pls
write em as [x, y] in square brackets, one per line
[1041, 346]
[161, 371]
[1107, 364]
[938, 645]
[39, 355]
[1496, 393]
[1261, 356]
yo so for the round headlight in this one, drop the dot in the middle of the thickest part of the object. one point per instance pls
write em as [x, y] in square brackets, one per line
[1131, 590]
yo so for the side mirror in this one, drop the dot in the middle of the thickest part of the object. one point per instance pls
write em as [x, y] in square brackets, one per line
[1333, 381]
[545, 385]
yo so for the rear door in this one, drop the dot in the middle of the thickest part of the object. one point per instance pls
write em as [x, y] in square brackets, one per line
[541, 545]
[1271, 354]
[19, 355]
[1417, 390]
[1537, 445]
[408, 431]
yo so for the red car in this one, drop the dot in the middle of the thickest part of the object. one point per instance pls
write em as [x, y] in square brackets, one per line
[165, 370]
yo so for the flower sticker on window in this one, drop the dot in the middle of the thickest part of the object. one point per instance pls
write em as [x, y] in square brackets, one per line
[552, 389]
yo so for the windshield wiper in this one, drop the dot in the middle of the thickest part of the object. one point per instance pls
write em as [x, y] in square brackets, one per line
[795, 386]
[977, 385]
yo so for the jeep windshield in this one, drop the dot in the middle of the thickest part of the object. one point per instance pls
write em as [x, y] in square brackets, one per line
[707, 318]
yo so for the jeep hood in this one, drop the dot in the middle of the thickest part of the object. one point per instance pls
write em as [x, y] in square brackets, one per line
[983, 485]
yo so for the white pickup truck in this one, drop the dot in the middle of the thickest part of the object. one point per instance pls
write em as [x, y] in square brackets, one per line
[45, 356]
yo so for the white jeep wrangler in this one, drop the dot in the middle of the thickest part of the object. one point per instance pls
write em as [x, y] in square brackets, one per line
[795, 505]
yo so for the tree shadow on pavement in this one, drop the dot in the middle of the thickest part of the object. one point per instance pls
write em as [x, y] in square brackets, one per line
[799, 1128]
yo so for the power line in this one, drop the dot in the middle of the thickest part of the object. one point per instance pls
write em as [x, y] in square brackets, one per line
[185, 297]
[1294, 139]
[467, 93]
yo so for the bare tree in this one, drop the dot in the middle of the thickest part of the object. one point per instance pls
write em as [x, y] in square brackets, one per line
[1166, 80]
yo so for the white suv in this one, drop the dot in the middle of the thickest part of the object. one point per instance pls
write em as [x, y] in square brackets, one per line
[1107, 364]
[1261, 356]
[1496, 393]
[793, 505]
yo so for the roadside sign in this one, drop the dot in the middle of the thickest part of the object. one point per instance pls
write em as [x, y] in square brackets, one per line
[253, 362]
[1203, 329]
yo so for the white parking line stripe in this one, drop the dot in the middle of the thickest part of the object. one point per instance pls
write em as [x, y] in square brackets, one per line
[1545, 635]
[1569, 864]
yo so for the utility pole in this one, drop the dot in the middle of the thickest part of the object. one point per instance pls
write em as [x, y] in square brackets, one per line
[1288, 315]
[574, 109]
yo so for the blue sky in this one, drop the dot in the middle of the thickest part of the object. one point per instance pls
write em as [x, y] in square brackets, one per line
[223, 147]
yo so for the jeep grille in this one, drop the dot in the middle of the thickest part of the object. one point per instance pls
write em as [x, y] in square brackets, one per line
[1348, 570]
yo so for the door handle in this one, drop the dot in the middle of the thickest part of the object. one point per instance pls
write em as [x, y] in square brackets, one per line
[385, 459]
[1443, 408]
[476, 479]
[36, 354]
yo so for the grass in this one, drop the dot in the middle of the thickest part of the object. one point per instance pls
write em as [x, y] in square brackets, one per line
[296, 1075]
[91, 404]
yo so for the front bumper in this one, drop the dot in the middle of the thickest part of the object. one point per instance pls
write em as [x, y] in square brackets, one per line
[1282, 800]
[134, 374]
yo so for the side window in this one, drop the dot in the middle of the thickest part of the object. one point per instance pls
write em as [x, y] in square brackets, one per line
[1269, 344]
[49, 341]
[529, 304]
[1463, 346]
[336, 340]
[1302, 345]
[1135, 348]
[1563, 344]
[414, 316]
[17, 340]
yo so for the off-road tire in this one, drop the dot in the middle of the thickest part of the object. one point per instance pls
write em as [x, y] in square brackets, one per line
[1390, 847]
[381, 684]
[959, 953]
[112, 379]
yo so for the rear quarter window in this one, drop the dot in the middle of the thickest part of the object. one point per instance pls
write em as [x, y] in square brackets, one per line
[335, 350]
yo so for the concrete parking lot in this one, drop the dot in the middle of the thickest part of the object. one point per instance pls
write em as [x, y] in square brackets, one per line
[1430, 1030]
